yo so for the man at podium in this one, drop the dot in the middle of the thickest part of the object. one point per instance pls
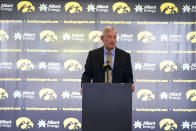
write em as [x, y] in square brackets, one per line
[108, 64]
[107, 107]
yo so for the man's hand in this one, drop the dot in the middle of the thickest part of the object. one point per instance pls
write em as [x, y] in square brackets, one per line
[133, 87]
[81, 91]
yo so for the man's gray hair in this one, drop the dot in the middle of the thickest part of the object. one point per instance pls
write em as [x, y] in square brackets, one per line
[108, 29]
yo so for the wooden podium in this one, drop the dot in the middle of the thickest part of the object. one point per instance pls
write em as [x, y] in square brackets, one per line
[106, 107]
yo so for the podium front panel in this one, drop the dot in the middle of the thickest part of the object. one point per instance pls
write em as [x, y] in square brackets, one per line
[106, 107]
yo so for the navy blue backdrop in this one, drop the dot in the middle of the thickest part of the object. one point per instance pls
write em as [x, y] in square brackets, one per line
[43, 49]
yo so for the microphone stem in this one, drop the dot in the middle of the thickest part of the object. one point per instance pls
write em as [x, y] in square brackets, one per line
[107, 76]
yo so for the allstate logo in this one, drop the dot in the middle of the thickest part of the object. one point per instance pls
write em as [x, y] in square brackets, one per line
[47, 94]
[121, 8]
[167, 124]
[168, 8]
[3, 35]
[145, 37]
[72, 65]
[48, 36]
[145, 95]
[94, 36]
[73, 7]
[191, 95]
[24, 65]
[24, 123]
[25, 7]
[168, 66]
[72, 124]
[3, 94]
[191, 36]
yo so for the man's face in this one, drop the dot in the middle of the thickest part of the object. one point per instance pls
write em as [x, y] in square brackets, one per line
[109, 40]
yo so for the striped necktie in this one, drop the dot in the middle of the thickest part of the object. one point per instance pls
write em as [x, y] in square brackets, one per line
[109, 60]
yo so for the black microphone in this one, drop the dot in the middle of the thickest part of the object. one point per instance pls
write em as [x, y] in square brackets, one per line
[107, 66]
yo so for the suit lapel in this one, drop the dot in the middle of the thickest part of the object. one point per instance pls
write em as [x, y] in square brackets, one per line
[101, 56]
[116, 60]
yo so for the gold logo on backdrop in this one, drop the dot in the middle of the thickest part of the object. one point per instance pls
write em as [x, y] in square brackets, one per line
[24, 65]
[168, 8]
[25, 7]
[3, 35]
[72, 65]
[145, 37]
[167, 124]
[48, 36]
[24, 123]
[47, 94]
[3, 94]
[191, 36]
[72, 124]
[121, 8]
[191, 95]
[73, 7]
[94, 36]
[168, 66]
[145, 95]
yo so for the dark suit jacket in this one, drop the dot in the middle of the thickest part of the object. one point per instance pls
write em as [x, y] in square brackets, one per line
[122, 69]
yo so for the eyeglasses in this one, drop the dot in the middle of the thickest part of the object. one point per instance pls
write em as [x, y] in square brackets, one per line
[109, 36]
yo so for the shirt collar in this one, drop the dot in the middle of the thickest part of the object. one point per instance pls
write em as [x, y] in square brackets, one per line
[112, 51]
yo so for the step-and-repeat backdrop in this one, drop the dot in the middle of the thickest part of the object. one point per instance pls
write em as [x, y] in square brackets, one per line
[43, 49]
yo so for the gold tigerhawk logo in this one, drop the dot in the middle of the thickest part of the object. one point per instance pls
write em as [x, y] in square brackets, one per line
[24, 123]
[145, 95]
[168, 8]
[73, 7]
[25, 7]
[3, 94]
[48, 36]
[72, 65]
[47, 94]
[167, 124]
[95, 36]
[191, 36]
[121, 8]
[145, 37]
[3, 35]
[168, 66]
[191, 95]
[24, 65]
[72, 124]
